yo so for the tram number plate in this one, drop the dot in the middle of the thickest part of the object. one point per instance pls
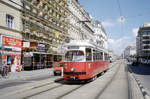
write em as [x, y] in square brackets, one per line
[72, 77]
[57, 71]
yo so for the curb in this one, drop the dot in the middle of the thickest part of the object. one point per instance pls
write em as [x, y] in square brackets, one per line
[145, 94]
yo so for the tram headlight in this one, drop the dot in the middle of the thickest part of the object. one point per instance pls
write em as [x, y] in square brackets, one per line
[72, 69]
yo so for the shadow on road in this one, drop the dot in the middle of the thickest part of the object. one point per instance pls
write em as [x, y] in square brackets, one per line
[71, 82]
[140, 69]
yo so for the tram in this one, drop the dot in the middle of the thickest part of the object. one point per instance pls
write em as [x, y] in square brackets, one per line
[84, 60]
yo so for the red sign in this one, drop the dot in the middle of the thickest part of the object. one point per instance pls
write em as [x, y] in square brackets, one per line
[12, 42]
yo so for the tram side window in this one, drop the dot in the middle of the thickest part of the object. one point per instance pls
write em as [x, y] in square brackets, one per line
[98, 56]
[106, 56]
[94, 56]
[88, 54]
[101, 55]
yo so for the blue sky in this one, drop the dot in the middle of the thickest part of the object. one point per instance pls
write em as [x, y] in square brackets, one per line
[121, 33]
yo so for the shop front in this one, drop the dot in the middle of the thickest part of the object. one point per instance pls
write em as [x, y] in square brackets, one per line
[35, 56]
[11, 52]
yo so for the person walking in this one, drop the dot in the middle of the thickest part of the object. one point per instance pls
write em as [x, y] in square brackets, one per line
[4, 69]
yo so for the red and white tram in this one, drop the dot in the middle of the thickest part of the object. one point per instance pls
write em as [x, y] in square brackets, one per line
[84, 60]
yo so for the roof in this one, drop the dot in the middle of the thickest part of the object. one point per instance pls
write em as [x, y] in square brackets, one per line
[130, 47]
[80, 43]
[85, 43]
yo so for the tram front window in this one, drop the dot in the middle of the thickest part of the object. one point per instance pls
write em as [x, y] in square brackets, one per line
[76, 56]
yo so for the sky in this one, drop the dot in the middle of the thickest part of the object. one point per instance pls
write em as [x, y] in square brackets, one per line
[121, 19]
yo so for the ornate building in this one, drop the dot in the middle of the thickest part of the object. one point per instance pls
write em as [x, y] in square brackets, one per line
[44, 21]
[100, 35]
[80, 26]
[44, 27]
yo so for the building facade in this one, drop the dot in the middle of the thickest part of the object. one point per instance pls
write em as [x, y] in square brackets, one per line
[143, 42]
[44, 27]
[73, 18]
[10, 34]
[100, 35]
[80, 23]
[32, 30]
[130, 51]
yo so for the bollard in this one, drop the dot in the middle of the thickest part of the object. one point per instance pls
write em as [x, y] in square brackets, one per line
[62, 72]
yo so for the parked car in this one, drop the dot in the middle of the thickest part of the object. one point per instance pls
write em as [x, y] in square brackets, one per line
[58, 68]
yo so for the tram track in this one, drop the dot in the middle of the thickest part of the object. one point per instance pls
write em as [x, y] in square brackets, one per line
[77, 88]
[53, 88]
[107, 85]
[62, 84]
[69, 92]
[27, 97]
[32, 87]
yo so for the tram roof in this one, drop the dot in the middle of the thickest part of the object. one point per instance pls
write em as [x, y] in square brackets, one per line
[85, 43]
[80, 43]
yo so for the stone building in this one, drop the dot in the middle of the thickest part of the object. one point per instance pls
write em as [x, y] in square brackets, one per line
[10, 34]
[100, 35]
[44, 27]
[80, 26]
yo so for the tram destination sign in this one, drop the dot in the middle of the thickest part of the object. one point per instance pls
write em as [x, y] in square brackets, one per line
[73, 47]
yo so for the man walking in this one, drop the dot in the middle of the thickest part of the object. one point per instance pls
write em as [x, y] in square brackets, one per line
[4, 69]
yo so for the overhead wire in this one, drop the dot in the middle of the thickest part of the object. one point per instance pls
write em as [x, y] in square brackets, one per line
[122, 18]
[120, 11]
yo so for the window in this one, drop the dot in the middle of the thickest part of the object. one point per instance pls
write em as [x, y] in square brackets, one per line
[75, 55]
[9, 21]
[88, 54]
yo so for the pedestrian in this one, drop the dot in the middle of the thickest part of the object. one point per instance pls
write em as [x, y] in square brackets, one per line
[4, 69]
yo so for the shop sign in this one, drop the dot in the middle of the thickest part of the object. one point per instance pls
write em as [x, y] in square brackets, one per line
[41, 47]
[12, 44]
[11, 53]
[26, 44]
[28, 54]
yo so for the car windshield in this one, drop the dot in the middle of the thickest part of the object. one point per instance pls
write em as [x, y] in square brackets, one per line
[60, 65]
[74, 56]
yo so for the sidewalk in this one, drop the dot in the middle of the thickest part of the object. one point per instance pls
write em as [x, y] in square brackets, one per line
[23, 75]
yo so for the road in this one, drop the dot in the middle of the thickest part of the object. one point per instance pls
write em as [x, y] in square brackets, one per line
[113, 84]
[142, 73]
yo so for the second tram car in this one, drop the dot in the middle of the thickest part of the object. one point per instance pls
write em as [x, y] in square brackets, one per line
[84, 60]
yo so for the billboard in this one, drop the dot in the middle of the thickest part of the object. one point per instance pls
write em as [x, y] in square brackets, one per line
[13, 44]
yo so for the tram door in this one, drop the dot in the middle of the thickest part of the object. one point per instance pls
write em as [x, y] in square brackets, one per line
[88, 63]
